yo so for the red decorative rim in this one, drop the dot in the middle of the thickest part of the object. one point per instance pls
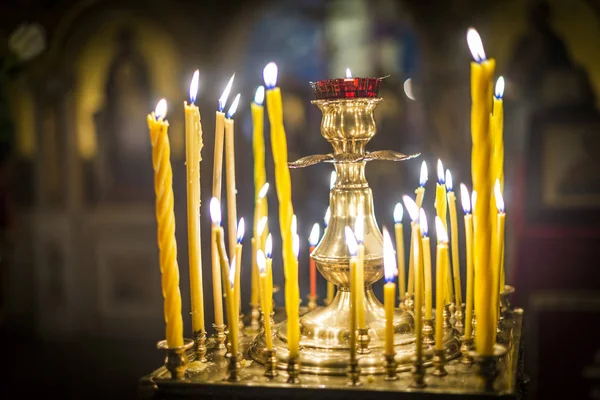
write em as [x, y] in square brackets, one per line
[346, 88]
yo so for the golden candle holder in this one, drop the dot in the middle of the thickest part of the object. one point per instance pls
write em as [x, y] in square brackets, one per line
[428, 332]
[220, 336]
[271, 364]
[200, 346]
[363, 339]
[459, 316]
[488, 367]
[390, 367]
[409, 302]
[466, 349]
[176, 360]
[439, 363]
[234, 366]
[505, 306]
[312, 302]
[254, 326]
[293, 370]
[354, 372]
[418, 374]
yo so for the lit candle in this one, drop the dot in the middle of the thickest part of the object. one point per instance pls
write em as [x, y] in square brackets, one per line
[441, 210]
[498, 246]
[265, 296]
[193, 147]
[230, 169]
[284, 195]
[359, 232]
[454, 239]
[466, 205]
[165, 218]
[257, 239]
[399, 233]
[426, 263]
[241, 228]
[226, 273]
[497, 129]
[413, 212]
[441, 269]
[353, 250]
[389, 290]
[420, 191]
[216, 192]
[313, 239]
[330, 285]
[269, 255]
[481, 92]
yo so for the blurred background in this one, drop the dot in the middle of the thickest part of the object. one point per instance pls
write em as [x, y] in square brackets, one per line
[80, 299]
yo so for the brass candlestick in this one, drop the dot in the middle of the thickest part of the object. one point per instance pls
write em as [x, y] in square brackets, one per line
[487, 367]
[234, 366]
[293, 370]
[428, 332]
[409, 302]
[459, 317]
[312, 302]
[254, 326]
[390, 367]
[200, 346]
[466, 349]
[220, 335]
[176, 360]
[439, 363]
[418, 374]
[354, 372]
[271, 364]
[363, 340]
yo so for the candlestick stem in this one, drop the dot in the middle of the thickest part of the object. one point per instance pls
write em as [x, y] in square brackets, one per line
[176, 360]
[271, 364]
[254, 327]
[220, 335]
[200, 346]
[439, 362]
[312, 302]
[428, 332]
[293, 370]
[363, 340]
[466, 348]
[233, 367]
[354, 372]
[390, 367]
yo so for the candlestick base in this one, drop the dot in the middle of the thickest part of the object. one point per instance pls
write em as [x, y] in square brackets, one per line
[363, 341]
[200, 346]
[354, 372]
[439, 363]
[418, 374]
[312, 302]
[220, 336]
[293, 370]
[488, 368]
[459, 317]
[254, 326]
[271, 364]
[176, 360]
[428, 332]
[390, 367]
[233, 367]
[409, 302]
[466, 348]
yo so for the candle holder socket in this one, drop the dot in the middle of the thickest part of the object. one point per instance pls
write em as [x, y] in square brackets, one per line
[390, 367]
[363, 341]
[460, 317]
[447, 317]
[418, 374]
[220, 335]
[271, 364]
[488, 368]
[312, 302]
[176, 360]
[452, 314]
[293, 370]
[428, 331]
[354, 372]
[466, 349]
[234, 366]
[439, 363]
[254, 326]
[200, 346]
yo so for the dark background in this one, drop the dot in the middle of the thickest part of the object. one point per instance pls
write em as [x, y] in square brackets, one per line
[80, 303]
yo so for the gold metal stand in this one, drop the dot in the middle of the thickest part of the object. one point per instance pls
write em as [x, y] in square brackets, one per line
[418, 374]
[363, 341]
[254, 326]
[354, 372]
[176, 360]
[200, 346]
[271, 364]
[220, 335]
[233, 367]
[390, 367]
[466, 349]
[428, 332]
[459, 316]
[439, 363]
[293, 370]
[312, 302]
[488, 367]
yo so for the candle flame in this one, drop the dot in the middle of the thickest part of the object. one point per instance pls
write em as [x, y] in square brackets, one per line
[259, 96]
[442, 235]
[423, 222]
[449, 184]
[465, 198]
[270, 75]
[390, 269]
[424, 174]
[398, 213]
[294, 225]
[499, 91]
[263, 191]
[233, 107]
[241, 229]
[194, 87]
[475, 45]
[161, 109]
[351, 241]
[232, 271]
[269, 246]
[313, 238]
[215, 211]
[473, 200]
[348, 73]
[440, 172]
[327, 216]
[225, 95]
[261, 261]
[359, 228]
[262, 224]
[411, 207]
[296, 245]
[498, 195]
[332, 179]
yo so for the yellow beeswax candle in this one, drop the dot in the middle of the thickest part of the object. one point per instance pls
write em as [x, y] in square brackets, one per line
[498, 248]
[441, 210]
[165, 218]
[454, 239]
[241, 227]
[265, 296]
[426, 264]
[413, 212]
[389, 290]
[466, 205]
[360, 274]
[260, 178]
[353, 250]
[481, 72]
[420, 192]
[440, 284]
[216, 192]
[497, 128]
[230, 169]
[193, 147]
[313, 239]
[399, 233]
[268, 255]
[227, 273]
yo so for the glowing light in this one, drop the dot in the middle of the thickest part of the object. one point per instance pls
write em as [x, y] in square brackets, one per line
[261, 261]
[270, 75]
[233, 107]
[351, 241]
[499, 91]
[440, 172]
[475, 45]
[259, 96]
[313, 238]
[449, 185]
[225, 95]
[263, 191]
[296, 245]
[348, 73]
[442, 235]
[269, 246]
[194, 86]
[327, 216]
[262, 224]
[232, 271]
[359, 228]
[398, 213]
[390, 268]
[423, 222]
[215, 211]
[411, 207]
[161, 109]
[498, 195]
[241, 229]
[424, 174]
[465, 199]
[408, 89]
